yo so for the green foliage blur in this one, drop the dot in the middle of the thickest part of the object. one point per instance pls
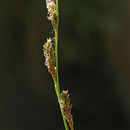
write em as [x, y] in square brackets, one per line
[94, 64]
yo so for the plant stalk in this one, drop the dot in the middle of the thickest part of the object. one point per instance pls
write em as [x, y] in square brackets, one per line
[56, 80]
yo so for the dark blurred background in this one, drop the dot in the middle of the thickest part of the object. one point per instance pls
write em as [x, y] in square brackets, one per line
[94, 65]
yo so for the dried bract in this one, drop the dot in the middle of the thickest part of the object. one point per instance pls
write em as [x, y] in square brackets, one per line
[50, 57]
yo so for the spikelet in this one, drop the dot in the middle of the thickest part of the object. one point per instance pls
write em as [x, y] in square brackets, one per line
[67, 106]
[51, 7]
[50, 57]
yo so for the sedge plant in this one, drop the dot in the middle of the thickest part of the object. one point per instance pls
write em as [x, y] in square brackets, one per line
[50, 49]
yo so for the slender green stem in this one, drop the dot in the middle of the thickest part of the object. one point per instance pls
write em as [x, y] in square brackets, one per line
[62, 112]
[56, 55]
[57, 12]
[56, 80]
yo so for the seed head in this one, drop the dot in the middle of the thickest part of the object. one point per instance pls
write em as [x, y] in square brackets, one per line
[51, 7]
[67, 106]
[50, 57]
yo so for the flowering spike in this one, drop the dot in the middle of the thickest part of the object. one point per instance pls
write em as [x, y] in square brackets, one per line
[50, 57]
[67, 106]
[51, 7]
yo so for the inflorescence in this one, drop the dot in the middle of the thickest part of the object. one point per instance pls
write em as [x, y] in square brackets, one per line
[50, 57]
[50, 62]
[51, 7]
[67, 106]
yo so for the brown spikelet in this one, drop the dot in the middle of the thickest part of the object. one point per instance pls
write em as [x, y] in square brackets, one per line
[67, 106]
[51, 7]
[49, 57]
